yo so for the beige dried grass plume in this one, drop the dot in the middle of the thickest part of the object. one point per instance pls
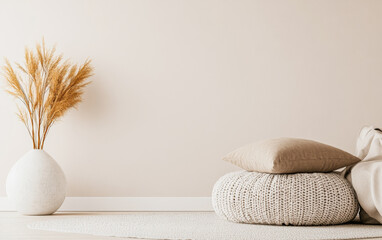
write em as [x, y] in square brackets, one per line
[47, 87]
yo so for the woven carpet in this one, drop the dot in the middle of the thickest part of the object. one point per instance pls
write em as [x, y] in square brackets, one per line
[197, 226]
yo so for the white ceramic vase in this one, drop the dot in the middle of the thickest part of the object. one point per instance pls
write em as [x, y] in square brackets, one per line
[36, 184]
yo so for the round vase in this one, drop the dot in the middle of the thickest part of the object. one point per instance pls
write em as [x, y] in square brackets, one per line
[36, 184]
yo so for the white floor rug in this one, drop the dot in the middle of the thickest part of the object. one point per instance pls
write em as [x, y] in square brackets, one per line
[197, 226]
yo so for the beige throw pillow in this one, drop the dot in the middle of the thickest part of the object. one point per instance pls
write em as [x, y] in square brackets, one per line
[290, 155]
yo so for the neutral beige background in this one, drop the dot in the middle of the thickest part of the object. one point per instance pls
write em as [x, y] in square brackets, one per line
[180, 83]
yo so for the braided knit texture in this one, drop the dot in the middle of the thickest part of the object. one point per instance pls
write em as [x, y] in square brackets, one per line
[284, 199]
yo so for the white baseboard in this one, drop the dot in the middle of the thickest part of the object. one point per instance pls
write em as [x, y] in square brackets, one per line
[95, 204]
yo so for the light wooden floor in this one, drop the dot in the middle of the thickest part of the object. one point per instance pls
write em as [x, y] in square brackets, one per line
[14, 226]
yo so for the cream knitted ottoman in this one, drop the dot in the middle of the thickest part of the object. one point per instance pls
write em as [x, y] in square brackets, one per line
[284, 199]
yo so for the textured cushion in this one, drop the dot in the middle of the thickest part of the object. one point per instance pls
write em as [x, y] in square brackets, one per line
[290, 155]
[284, 199]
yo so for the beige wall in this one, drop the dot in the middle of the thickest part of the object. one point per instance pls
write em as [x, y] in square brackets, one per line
[180, 83]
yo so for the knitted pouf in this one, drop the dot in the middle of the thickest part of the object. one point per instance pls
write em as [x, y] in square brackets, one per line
[285, 199]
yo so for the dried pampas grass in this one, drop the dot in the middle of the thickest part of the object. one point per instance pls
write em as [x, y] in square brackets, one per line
[47, 87]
